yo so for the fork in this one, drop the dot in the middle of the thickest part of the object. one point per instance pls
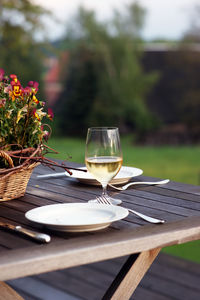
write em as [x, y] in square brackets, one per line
[123, 188]
[105, 200]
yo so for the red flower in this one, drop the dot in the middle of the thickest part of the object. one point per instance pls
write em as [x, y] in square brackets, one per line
[13, 76]
[16, 86]
[16, 90]
[14, 81]
[50, 114]
[1, 74]
[30, 83]
[34, 85]
[27, 90]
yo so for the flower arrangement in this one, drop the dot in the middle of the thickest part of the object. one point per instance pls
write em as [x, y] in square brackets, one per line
[22, 135]
[21, 120]
[21, 114]
[22, 131]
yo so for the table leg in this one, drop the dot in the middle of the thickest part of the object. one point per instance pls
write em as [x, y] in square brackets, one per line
[7, 293]
[130, 275]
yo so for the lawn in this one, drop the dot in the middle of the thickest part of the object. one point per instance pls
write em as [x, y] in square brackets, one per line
[177, 163]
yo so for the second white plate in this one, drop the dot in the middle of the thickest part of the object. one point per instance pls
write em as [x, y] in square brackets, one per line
[124, 175]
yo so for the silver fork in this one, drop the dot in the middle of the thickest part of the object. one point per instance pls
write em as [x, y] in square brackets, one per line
[123, 188]
[104, 200]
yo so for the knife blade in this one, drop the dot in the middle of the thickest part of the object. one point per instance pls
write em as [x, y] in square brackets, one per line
[38, 236]
[63, 174]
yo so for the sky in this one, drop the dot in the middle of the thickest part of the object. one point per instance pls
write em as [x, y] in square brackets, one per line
[167, 19]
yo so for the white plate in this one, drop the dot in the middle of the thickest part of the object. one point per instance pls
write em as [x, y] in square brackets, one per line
[76, 217]
[124, 175]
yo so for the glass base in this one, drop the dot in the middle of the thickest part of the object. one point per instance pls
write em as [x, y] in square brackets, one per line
[112, 200]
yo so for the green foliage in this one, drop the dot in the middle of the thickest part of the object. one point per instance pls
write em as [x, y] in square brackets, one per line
[80, 91]
[187, 64]
[19, 51]
[105, 71]
[176, 98]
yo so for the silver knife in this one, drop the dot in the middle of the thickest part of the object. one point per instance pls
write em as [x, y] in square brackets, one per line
[63, 174]
[38, 236]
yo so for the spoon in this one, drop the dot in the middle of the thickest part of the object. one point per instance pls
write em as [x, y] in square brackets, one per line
[123, 188]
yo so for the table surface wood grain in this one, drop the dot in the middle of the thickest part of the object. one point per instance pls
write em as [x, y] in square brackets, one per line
[177, 203]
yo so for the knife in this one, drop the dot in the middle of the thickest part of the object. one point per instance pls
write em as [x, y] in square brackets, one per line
[38, 236]
[63, 174]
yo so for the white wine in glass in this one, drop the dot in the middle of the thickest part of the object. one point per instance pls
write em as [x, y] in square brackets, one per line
[103, 155]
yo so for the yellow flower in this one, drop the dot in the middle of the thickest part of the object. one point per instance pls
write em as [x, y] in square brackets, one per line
[8, 114]
[35, 99]
[21, 113]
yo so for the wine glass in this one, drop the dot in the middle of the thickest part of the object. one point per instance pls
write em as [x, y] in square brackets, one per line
[103, 156]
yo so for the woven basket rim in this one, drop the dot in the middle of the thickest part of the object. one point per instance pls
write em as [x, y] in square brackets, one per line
[27, 164]
[20, 169]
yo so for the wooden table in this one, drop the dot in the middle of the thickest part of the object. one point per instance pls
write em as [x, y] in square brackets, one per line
[178, 204]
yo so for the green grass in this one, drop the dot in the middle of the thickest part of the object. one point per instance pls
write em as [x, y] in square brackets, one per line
[177, 163]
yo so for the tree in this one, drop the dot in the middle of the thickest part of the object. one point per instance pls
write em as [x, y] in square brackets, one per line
[75, 103]
[19, 51]
[114, 50]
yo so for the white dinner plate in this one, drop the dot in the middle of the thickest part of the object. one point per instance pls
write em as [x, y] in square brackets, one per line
[124, 175]
[76, 217]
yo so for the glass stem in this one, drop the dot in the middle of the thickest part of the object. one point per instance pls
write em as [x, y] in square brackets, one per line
[104, 193]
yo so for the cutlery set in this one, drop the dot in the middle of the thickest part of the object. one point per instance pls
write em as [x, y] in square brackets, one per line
[105, 200]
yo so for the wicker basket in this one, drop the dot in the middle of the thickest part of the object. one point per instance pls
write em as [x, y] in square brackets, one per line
[13, 184]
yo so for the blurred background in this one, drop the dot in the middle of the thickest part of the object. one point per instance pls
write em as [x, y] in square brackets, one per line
[130, 64]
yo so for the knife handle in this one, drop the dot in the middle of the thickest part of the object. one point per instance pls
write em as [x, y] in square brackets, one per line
[40, 237]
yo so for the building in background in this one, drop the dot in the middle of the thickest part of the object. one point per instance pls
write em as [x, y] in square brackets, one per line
[53, 84]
